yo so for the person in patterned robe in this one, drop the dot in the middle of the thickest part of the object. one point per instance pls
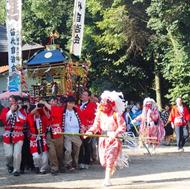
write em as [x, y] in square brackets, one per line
[109, 121]
[152, 128]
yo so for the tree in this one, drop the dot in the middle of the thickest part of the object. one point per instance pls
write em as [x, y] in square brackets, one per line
[115, 38]
[3, 12]
[40, 18]
[170, 21]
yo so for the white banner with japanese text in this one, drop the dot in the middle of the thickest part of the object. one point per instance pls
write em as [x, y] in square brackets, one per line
[78, 27]
[14, 27]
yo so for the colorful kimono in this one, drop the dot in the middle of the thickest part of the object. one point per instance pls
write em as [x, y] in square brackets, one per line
[109, 148]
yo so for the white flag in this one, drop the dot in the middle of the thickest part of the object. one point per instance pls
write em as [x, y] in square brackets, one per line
[14, 27]
[78, 27]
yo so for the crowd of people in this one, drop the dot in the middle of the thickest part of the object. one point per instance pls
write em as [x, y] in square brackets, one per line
[36, 136]
[147, 122]
[174, 119]
[33, 134]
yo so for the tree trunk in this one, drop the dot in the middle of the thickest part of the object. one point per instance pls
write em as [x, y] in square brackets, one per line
[158, 91]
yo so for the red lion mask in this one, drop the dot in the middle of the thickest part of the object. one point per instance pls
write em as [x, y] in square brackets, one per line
[107, 106]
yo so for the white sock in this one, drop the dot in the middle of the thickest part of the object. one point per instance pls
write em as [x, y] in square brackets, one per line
[107, 181]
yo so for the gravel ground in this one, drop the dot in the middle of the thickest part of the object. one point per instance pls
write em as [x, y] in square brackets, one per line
[167, 169]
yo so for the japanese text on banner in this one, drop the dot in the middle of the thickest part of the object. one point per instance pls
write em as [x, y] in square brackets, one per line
[78, 27]
[14, 26]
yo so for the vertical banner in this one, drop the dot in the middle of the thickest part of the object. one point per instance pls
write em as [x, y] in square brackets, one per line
[78, 27]
[14, 26]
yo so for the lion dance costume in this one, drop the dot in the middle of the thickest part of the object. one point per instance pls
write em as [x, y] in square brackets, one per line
[109, 121]
[151, 129]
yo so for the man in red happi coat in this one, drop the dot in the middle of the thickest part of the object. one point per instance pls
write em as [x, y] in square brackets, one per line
[54, 139]
[13, 135]
[88, 113]
[38, 122]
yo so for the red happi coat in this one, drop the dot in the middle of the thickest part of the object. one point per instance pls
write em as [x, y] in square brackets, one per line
[13, 134]
[175, 115]
[3, 115]
[56, 122]
[88, 116]
[34, 142]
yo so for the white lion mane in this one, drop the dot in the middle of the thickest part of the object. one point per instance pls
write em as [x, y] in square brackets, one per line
[117, 97]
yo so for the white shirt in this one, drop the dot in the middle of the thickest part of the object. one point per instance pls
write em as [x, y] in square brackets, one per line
[37, 123]
[71, 122]
[180, 108]
[82, 105]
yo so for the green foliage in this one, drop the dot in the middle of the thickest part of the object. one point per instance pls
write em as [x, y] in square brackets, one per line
[40, 18]
[115, 36]
[112, 30]
[114, 40]
[170, 22]
[3, 12]
[126, 41]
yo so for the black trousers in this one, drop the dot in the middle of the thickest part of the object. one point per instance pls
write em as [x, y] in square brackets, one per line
[85, 151]
[27, 160]
[182, 134]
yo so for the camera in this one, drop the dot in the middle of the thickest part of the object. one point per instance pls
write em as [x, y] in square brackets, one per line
[40, 105]
[24, 106]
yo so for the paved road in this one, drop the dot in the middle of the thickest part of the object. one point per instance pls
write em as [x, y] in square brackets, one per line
[168, 169]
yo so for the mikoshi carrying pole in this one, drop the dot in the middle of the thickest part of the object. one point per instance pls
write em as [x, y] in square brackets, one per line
[126, 136]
